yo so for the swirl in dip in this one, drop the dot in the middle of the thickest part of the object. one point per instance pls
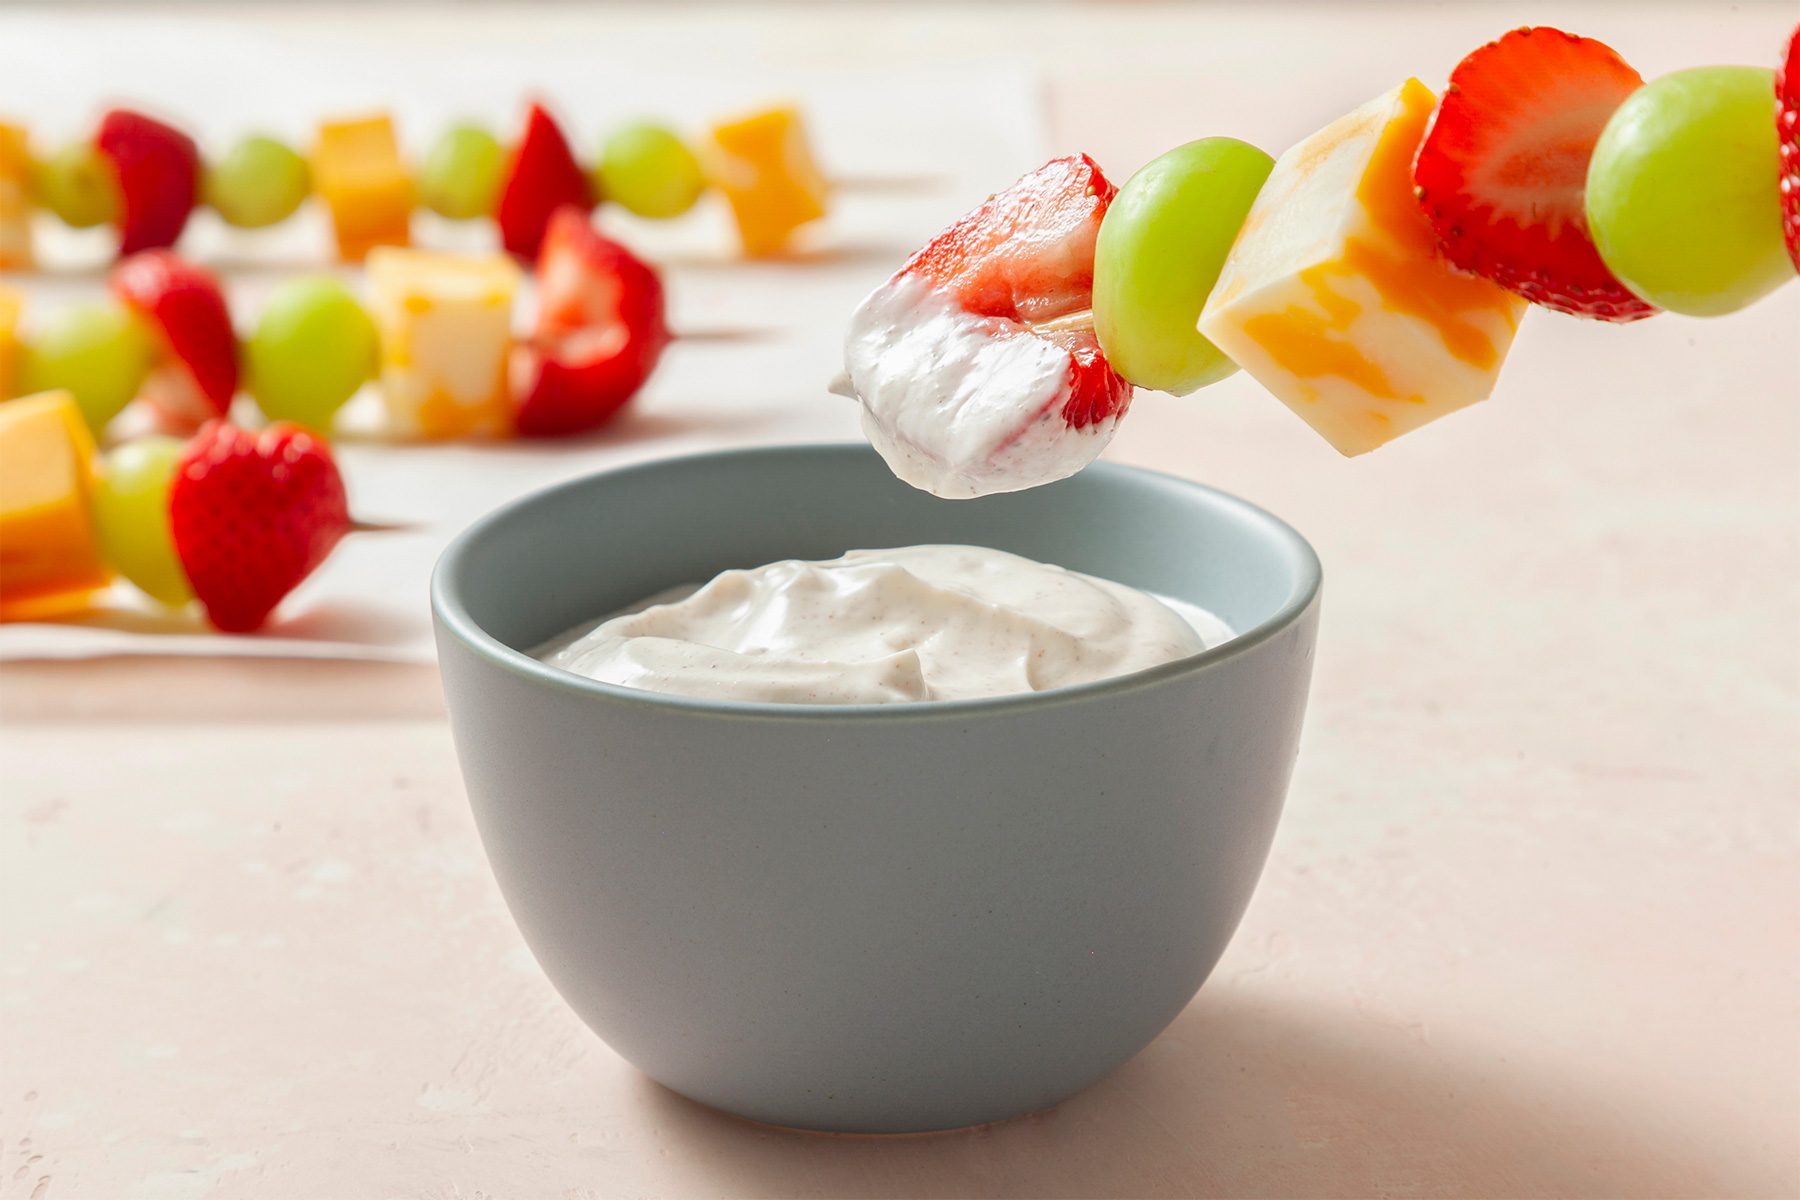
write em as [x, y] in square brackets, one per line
[892, 626]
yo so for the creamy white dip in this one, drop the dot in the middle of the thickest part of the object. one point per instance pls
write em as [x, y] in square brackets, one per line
[886, 626]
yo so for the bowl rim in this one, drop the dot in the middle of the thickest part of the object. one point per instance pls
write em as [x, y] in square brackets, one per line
[452, 617]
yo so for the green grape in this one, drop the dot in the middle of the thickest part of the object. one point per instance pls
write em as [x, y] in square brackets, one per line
[461, 173]
[1161, 245]
[131, 511]
[1681, 195]
[99, 351]
[259, 182]
[648, 170]
[78, 185]
[313, 346]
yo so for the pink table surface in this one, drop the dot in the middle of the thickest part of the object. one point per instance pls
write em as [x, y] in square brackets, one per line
[1531, 926]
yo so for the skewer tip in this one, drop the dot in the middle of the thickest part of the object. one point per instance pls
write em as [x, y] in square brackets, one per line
[357, 526]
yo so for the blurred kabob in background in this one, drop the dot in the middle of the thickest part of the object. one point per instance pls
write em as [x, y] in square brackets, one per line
[242, 510]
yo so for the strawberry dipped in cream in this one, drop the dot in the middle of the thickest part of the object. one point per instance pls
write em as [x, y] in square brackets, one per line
[976, 364]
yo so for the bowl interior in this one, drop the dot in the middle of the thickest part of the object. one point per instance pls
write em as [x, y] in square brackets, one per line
[568, 554]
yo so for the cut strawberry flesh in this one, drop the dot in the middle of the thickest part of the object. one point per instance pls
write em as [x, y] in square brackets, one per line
[252, 514]
[186, 305]
[1787, 133]
[1502, 171]
[975, 371]
[158, 169]
[600, 331]
[541, 177]
[1097, 393]
[1028, 252]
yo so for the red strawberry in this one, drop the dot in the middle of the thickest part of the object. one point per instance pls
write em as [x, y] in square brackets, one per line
[187, 306]
[1787, 129]
[1028, 252]
[252, 514]
[541, 177]
[1096, 392]
[158, 168]
[955, 358]
[600, 331]
[1502, 169]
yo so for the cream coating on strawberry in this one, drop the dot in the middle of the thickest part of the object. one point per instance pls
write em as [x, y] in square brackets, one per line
[973, 367]
[963, 406]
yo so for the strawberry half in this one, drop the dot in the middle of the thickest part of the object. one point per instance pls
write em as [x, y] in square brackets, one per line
[976, 363]
[600, 331]
[1502, 170]
[252, 514]
[158, 169]
[541, 177]
[1787, 132]
[185, 304]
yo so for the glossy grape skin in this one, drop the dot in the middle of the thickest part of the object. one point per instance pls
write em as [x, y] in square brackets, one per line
[1161, 245]
[98, 350]
[131, 513]
[314, 345]
[78, 185]
[1681, 191]
[460, 175]
[259, 182]
[648, 170]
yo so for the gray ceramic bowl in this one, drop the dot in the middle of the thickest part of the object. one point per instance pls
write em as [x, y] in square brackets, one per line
[873, 918]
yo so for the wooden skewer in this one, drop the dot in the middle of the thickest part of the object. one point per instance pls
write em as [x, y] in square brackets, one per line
[1075, 322]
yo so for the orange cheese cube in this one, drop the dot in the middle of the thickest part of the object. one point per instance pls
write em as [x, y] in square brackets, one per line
[11, 304]
[49, 555]
[763, 165]
[446, 334]
[357, 171]
[1336, 298]
[15, 199]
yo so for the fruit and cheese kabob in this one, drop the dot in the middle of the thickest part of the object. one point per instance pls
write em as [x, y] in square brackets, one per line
[234, 517]
[437, 335]
[147, 177]
[1372, 278]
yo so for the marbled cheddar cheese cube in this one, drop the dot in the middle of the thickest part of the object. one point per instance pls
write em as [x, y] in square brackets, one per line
[49, 554]
[357, 171]
[1335, 296]
[446, 332]
[11, 304]
[15, 198]
[766, 169]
